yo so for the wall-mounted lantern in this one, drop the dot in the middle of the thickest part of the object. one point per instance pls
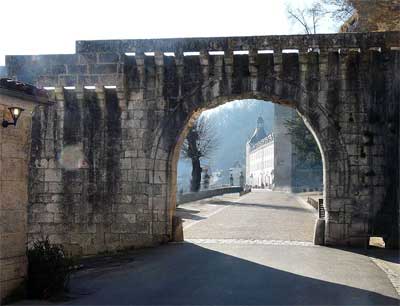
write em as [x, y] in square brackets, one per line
[15, 113]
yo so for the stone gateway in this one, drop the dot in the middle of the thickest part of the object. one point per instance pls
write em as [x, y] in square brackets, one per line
[104, 158]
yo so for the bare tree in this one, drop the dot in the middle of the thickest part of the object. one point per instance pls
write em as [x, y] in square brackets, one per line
[309, 17]
[201, 141]
[339, 10]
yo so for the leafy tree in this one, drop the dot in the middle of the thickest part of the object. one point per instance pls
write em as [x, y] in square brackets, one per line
[307, 151]
[201, 141]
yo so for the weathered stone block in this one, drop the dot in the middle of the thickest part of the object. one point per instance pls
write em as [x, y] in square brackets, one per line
[158, 203]
[126, 163]
[54, 187]
[53, 175]
[103, 68]
[54, 208]
[129, 218]
[108, 57]
[14, 195]
[12, 245]
[13, 221]
[77, 69]
[14, 150]
[43, 218]
[67, 80]
[14, 168]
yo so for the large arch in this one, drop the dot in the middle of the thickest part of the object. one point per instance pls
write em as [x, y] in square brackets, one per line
[318, 86]
[345, 86]
[162, 146]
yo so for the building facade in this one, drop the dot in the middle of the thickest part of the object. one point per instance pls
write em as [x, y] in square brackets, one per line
[271, 160]
[260, 158]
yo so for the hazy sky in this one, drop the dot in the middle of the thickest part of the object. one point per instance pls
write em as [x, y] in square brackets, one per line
[53, 26]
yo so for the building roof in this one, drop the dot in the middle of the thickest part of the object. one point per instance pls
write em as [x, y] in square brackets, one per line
[267, 139]
[259, 132]
[22, 90]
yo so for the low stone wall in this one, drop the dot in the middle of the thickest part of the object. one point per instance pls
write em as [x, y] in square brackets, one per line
[313, 202]
[195, 196]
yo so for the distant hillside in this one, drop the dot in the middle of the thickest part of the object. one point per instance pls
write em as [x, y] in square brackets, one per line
[234, 123]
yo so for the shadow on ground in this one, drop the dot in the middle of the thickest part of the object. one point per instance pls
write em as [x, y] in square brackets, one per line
[188, 274]
[266, 206]
[390, 255]
[188, 214]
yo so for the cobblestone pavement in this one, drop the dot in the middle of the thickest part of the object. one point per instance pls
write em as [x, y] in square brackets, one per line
[261, 214]
[249, 242]
[254, 250]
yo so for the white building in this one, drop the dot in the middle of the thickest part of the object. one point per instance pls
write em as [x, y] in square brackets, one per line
[271, 160]
[260, 158]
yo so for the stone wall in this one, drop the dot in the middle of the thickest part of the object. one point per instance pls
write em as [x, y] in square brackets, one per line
[121, 191]
[87, 194]
[14, 157]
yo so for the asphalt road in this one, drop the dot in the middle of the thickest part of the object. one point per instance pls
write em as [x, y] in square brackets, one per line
[255, 250]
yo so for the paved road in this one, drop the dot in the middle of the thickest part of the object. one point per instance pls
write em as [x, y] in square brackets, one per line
[258, 215]
[255, 250]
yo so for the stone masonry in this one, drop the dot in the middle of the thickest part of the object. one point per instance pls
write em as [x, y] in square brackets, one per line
[121, 118]
[14, 158]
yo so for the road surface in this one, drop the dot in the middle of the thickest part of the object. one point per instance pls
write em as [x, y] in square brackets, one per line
[254, 250]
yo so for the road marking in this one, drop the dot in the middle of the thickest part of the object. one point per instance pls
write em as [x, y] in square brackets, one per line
[250, 242]
[214, 212]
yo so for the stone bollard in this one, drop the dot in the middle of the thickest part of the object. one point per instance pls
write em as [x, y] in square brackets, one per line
[177, 229]
[319, 232]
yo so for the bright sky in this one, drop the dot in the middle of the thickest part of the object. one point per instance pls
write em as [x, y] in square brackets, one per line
[53, 26]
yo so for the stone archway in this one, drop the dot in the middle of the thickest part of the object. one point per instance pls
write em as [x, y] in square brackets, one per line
[345, 86]
[318, 86]
[175, 135]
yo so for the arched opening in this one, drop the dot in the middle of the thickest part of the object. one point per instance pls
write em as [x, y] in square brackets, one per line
[285, 169]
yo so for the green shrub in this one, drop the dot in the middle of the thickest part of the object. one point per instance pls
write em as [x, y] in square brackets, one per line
[48, 269]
